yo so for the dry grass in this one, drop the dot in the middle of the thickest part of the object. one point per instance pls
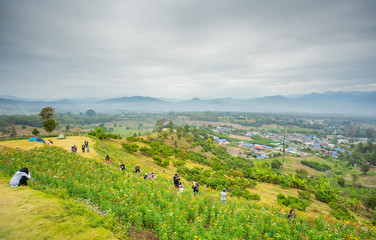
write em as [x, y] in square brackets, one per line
[29, 214]
[63, 143]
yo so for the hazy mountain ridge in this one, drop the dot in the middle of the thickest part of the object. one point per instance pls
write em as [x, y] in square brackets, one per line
[350, 103]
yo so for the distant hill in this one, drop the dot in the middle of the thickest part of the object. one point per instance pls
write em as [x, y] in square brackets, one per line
[348, 103]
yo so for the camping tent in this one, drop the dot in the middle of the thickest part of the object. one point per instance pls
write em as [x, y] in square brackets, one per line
[36, 139]
[61, 136]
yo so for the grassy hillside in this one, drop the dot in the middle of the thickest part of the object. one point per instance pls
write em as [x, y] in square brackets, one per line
[156, 206]
[30, 214]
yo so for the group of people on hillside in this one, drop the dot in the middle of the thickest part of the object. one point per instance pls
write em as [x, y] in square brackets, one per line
[85, 146]
[150, 176]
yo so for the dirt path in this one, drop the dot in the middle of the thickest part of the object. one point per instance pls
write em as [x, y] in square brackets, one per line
[63, 143]
[30, 214]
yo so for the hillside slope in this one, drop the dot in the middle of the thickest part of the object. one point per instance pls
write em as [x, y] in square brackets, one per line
[30, 214]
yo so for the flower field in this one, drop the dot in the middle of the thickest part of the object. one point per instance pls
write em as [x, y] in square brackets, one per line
[155, 205]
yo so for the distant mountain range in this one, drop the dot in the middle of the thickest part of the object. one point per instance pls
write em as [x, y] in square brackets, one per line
[349, 103]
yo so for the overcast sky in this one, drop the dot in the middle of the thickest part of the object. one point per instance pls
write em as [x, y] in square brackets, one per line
[185, 49]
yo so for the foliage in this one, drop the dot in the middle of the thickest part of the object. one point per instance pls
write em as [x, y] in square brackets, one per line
[131, 148]
[35, 131]
[102, 134]
[315, 165]
[152, 204]
[304, 195]
[325, 196]
[47, 116]
[163, 162]
[292, 202]
[341, 181]
[340, 212]
[90, 113]
[276, 164]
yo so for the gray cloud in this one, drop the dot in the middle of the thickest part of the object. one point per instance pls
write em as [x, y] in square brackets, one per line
[184, 49]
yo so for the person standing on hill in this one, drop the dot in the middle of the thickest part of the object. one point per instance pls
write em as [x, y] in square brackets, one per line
[87, 149]
[83, 147]
[145, 176]
[195, 188]
[181, 187]
[75, 148]
[223, 195]
[137, 169]
[122, 166]
[108, 159]
[86, 143]
[20, 178]
[176, 179]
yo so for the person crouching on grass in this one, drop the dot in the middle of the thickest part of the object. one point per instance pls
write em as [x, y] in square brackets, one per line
[20, 178]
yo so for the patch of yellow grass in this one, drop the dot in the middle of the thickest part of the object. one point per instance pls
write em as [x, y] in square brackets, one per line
[29, 214]
[63, 143]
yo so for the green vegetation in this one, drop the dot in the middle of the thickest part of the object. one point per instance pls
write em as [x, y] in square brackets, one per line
[151, 204]
[47, 116]
[102, 134]
[315, 165]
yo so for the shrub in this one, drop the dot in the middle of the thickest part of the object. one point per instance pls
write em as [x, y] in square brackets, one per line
[315, 165]
[276, 164]
[179, 163]
[292, 202]
[131, 148]
[341, 181]
[340, 212]
[217, 183]
[325, 196]
[304, 195]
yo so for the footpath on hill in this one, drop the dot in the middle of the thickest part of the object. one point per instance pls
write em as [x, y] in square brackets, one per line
[30, 214]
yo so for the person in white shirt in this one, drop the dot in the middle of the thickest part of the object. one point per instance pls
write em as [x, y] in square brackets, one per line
[181, 187]
[20, 178]
[223, 195]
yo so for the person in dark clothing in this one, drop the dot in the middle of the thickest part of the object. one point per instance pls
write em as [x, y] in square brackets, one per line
[176, 179]
[137, 169]
[195, 188]
[107, 159]
[122, 166]
[83, 147]
[146, 176]
[86, 143]
[291, 214]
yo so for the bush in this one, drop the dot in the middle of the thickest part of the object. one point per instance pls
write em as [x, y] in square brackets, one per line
[341, 181]
[276, 164]
[304, 195]
[161, 162]
[292, 202]
[315, 165]
[236, 191]
[179, 163]
[131, 148]
[325, 196]
[340, 212]
[217, 183]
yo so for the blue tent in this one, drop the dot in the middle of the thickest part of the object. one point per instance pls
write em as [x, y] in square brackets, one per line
[36, 139]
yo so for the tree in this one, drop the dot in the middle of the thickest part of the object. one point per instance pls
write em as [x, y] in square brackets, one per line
[48, 122]
[355, 178]
[364, 168]
[370, 133]
[35, 131]
[276, 164]
[160, 124]
[13, 132]
[90, 113]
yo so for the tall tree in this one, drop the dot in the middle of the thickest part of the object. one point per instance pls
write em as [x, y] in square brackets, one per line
[47, 116]
[160, 124]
